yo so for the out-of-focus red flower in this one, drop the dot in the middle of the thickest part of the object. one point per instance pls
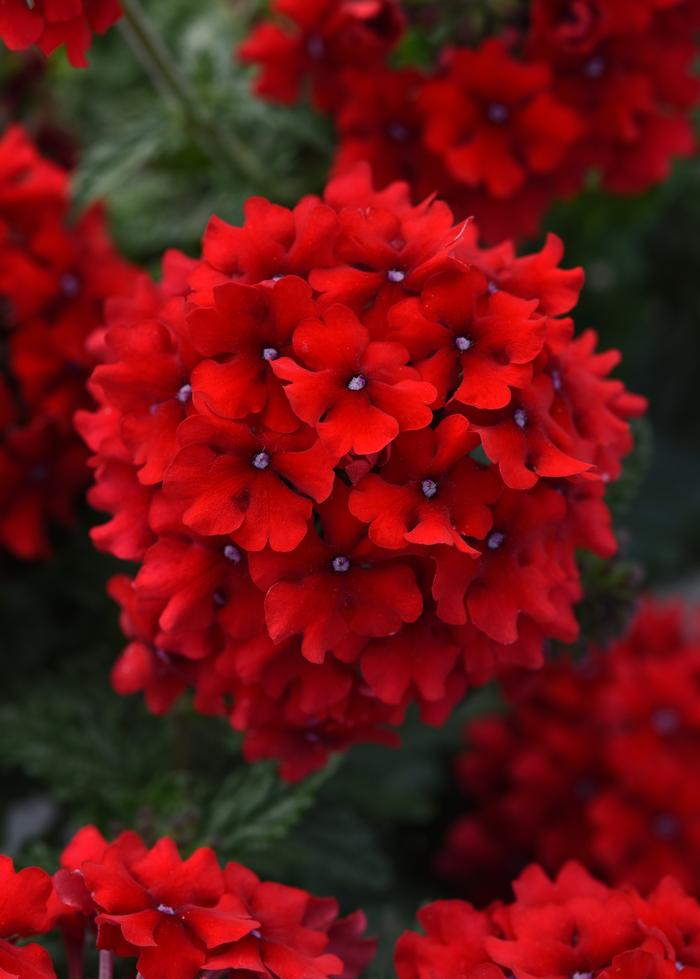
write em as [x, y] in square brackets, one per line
[627, 69]
[352, 452]
[593, 763]
[378, 122]
[55, 278]
[317, 39]
[49, 24]
[494, 121]
[572, 925]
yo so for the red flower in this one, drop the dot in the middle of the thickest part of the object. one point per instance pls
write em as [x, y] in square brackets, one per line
[571, 926]
[335, 588]
[472, 342]
[317, 38]
[144, 666]
[601, 86]
[31, 188]
[24, 896]
[253, 484]
[519, 569]
[593, 763]
[242, 380]
[577, 26]
[494, 120]
[272, 243]
[359, 395]
[284, 440]
[54, 282]
[630, 77]
[430, 492]
[168, 912]
[178, 918]
[51, 23]
[526, 440]
[284, 943]
[378, 122]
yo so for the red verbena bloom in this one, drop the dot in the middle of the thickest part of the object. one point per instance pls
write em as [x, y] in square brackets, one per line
[493, 120]
[55, 278]
[354, 454]
[572, 925]
[503, 129]
[628, 70]
[378, 121]
[316, 39]
[178, 918]
[24, 898]
[51, 23]
[594, 762]
[359, 395]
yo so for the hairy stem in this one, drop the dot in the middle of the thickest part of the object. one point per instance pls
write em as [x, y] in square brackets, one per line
[106, 964]
[225, 147]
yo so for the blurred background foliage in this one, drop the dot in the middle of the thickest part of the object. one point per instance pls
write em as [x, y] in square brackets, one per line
[70, 750]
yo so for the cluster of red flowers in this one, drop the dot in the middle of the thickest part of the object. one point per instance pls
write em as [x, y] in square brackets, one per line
[54, 279]
[48, 24]
[572, 927]
[500, 130]
[354, 454]
[176, 918]
[596, 762]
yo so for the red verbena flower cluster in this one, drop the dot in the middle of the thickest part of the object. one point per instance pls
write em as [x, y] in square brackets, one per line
[54, 279]
[595, 762]
[572, 927]
[175, 918]
[318, 39]
[48, 24]
[354, 454]
[500, 130]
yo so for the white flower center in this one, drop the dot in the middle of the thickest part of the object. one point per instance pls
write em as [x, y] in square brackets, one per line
[498, 113]
[232, 553]
[357, 383]
[429, 487]
[395, 275]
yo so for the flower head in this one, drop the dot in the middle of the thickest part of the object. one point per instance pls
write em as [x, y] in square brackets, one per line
[178, 918]
[572, 925]
[51, 23]
[593, 763]
[350, 450]
[315, 39]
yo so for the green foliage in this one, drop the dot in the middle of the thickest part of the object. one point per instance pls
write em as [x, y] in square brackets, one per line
[141, 151]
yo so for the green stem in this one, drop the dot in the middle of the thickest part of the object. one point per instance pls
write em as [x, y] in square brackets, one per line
[167, 76]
